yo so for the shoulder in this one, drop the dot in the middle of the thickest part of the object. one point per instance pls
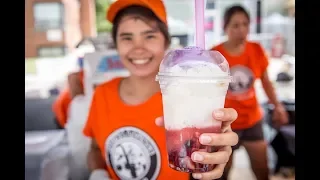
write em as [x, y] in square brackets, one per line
[218, 47]
[255, 46]
[106, 89]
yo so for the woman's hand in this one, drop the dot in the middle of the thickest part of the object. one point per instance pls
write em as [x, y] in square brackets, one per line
[280, 115]
[225, 140]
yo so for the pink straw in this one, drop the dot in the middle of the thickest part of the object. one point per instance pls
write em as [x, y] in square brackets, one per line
[199, 14]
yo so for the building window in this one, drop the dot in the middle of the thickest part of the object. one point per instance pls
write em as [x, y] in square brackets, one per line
[210, 4]
[51, 51]
[48, 15]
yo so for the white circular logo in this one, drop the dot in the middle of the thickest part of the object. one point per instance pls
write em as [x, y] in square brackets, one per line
[242, 79]
[133, 154]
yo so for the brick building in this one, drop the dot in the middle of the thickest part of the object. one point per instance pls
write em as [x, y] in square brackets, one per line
[55, 27]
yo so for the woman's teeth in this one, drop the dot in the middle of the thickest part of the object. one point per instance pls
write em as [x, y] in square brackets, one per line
[140, 61]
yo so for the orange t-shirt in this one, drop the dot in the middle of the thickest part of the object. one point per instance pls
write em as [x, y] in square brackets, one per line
[61, 105]
[127, 133]
[241, 96]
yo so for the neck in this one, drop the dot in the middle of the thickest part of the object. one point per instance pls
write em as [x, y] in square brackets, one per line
[235, 45]
[142, 87]
[235, 48]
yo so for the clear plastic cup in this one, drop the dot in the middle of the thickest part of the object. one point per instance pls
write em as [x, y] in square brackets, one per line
[193, 82]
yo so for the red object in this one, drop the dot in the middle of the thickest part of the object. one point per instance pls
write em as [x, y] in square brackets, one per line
[208, 24]
[182, 143]
[277, 46]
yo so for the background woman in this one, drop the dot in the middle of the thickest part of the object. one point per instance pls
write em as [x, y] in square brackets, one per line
[248, 62]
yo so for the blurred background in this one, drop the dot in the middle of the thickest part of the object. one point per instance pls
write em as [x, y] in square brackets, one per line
[61, 33]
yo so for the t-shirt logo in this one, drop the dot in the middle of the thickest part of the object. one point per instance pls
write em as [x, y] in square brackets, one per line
[241, 86]
[133, 154]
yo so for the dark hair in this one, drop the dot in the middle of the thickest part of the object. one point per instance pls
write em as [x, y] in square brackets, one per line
[231, 11]
[142, 13]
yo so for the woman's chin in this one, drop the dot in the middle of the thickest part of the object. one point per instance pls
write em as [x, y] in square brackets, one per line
[143, 74]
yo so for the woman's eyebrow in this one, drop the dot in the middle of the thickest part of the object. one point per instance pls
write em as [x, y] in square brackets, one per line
[125, 34]
[148, 32]
[143, 33]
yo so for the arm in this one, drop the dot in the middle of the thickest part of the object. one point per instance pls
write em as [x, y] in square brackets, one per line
[269, 90]
[265, 81]
[96, 163]
[95, 159]
[279, 115]
[75, 84]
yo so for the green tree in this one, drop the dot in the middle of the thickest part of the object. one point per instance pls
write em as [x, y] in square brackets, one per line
[101, 9]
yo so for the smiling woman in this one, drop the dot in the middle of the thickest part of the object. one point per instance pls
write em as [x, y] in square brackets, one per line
[126, 144]
[139, 39]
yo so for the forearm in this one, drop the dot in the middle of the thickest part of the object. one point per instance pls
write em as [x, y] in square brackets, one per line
[270, 91]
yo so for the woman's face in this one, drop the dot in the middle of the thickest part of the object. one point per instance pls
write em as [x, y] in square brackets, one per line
[140, 46]
[238, 27]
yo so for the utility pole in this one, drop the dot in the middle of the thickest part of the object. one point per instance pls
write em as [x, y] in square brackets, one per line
[259, 14]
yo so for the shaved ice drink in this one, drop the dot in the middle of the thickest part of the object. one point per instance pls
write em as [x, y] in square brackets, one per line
[193, 82]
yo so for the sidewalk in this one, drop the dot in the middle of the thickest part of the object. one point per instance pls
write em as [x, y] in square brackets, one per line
[241, 169]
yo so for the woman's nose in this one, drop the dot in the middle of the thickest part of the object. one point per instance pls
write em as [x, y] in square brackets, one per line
[138, 47]
[244, 29]
[138, 43]
[138, 50]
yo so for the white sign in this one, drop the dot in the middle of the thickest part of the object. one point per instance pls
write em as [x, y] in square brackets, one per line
[100, 67]
[54, 35]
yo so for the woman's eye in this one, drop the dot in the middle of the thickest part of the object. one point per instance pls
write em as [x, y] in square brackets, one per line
[127, 38]
[150, 37]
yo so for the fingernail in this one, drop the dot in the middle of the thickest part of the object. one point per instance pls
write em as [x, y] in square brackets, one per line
[197, 176]
[205, 139]
[197, 157]
[218, 114]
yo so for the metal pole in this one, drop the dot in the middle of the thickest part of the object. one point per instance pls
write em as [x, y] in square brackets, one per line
[259, 14]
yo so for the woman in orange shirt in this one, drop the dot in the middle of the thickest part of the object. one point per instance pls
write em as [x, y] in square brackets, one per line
[248, 62]
[126, 142]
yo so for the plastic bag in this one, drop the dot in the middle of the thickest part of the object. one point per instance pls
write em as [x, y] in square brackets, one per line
[79, 144]
[55, 166]
[99, 174]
